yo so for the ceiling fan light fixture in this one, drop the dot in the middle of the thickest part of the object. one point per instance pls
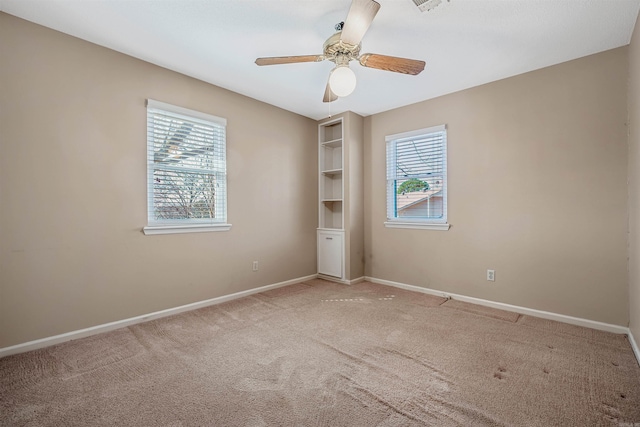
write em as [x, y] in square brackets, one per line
[342, 80]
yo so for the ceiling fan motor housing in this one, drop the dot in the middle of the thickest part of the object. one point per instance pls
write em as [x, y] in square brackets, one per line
[339, 52]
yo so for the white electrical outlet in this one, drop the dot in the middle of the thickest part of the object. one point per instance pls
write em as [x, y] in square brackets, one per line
[255, 265]
[491, 275]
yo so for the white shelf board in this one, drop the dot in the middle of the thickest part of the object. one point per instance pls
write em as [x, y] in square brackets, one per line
[333, 143]
[332, 172]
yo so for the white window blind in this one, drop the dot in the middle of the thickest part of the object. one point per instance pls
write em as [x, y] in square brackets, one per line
[187, 172]
[417, 176]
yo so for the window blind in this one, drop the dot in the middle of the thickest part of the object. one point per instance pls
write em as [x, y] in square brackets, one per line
[186, 157]
[417, 175]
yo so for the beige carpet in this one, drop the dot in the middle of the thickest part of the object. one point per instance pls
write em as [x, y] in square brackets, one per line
[324, 354]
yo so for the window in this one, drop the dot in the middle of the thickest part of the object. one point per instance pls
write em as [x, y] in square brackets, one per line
[417, 179]
[186, 170]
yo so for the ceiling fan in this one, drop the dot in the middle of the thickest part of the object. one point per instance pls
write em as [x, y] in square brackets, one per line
[344, 46]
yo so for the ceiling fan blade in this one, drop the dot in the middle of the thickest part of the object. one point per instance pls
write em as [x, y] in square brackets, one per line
[329, 96]
[275, 60]
[392, 63]
[359, 19]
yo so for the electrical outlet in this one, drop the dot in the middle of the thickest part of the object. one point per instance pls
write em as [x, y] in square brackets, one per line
[491, 275]
[255, 265]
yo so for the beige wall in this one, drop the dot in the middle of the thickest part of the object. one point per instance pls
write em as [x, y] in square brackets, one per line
[634, 183]
[73, 190]
[537, 191]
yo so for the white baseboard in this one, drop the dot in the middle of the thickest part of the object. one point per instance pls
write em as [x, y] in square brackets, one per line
[634, 346]
[332, 279]
[616, 329]
[343, 281]
[81, 333]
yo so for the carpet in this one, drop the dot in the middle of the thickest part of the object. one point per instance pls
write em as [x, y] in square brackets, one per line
[324, 354]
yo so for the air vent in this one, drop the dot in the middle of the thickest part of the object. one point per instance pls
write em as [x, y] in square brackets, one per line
[426, 5]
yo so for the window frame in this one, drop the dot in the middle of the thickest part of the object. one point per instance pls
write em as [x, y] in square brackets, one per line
[416, 222]
[194, 225]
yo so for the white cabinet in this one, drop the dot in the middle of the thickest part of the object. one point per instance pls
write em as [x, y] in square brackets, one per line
[330, 253]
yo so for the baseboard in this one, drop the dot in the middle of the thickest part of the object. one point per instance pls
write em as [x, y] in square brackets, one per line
[616, 329]
[81, 333]
[634, 346]
[332, 279]
[343, 281]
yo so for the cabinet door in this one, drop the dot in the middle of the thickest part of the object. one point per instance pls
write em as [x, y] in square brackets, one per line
[330, 254]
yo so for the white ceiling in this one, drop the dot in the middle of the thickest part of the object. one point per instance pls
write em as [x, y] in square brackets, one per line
[465, 43]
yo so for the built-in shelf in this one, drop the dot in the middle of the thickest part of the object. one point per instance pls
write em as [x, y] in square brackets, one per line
[331, 191]
[340, 198]
[331, 184]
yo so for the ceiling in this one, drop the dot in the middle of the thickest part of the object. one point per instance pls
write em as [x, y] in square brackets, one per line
[465, 43]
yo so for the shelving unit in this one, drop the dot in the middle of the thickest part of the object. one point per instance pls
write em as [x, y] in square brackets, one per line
[341, 198]
[331, 191]
[331, 183]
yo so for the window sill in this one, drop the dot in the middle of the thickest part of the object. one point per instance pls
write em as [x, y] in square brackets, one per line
[191, 228]
[417, 225]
